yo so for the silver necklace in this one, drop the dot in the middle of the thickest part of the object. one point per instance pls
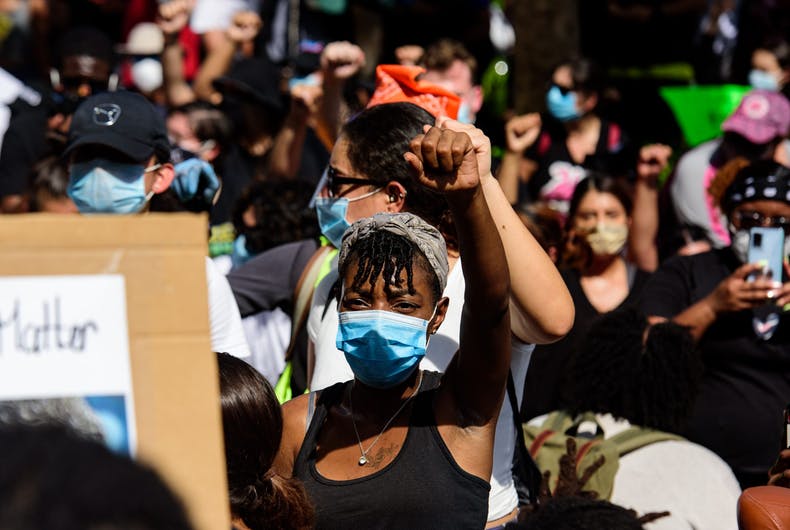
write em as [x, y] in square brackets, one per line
[364, 458]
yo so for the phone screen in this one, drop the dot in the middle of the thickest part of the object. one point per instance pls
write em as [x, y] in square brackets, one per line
[786, 433]
[766, 247]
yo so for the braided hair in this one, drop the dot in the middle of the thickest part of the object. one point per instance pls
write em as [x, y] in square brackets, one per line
[382, 253]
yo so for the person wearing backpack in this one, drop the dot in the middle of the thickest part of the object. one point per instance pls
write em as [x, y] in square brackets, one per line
[630, 387]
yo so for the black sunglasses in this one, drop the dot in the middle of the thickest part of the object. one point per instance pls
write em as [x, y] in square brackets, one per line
[334, 181]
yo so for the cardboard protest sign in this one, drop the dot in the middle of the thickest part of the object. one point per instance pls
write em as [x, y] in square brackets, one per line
[65, 337]
[76, 292]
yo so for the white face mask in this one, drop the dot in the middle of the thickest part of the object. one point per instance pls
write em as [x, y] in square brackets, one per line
[147, 74]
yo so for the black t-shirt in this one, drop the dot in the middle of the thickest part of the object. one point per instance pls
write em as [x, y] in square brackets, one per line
[738, 413]
[548, 365]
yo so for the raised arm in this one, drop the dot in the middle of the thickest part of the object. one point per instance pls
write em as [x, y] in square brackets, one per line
[520, 133]
[445, 160]
[642, 249]
[340, 61]
[542, 310]
[244, 28]
[286, 154]
[172, 18]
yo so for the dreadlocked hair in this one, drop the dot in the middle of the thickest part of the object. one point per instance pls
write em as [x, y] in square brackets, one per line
[383, 253]
[648, 375]
[574, 508]
[582, 513]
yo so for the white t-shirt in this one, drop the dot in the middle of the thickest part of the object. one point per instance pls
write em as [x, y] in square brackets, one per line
[691, 482]
[331, 367]
[227, 335]
[268, 334]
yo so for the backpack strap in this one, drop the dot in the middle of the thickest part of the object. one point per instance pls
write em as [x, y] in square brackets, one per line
[310, 410]
[526, 474]
[635, 438]
[303, 294]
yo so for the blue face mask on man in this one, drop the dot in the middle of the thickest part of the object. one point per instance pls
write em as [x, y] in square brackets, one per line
[382, 348]
[105, 186]
[332, 212]
[562, 106]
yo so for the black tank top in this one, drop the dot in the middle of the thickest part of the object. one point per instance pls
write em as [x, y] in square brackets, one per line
[422, 488]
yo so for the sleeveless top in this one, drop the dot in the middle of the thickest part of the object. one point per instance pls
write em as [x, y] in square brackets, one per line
[423, 487]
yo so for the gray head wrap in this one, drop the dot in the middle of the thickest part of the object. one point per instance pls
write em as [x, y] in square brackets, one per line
[427, 238]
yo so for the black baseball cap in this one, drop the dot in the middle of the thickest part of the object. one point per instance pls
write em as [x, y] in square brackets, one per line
[124, 121]
[254, 79]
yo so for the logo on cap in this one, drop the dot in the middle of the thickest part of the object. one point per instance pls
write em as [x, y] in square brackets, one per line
[106, 114]
[756, 108]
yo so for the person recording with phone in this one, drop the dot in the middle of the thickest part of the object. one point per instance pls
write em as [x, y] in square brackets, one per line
[738, 314]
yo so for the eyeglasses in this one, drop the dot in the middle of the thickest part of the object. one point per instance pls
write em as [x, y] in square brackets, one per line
[334, 181]
[751, 219]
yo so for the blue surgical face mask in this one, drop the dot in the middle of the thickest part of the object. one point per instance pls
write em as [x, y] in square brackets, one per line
[332, 215]
[104, 186]
[465, 113]
[562, 106]
[382, 348]
[760, 79]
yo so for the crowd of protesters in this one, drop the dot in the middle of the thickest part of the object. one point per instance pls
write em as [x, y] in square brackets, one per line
[406, 281]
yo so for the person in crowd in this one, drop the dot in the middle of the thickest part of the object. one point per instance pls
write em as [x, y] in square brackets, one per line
[537, 316]
[771, 65]
[84, 66]
[449, 64]
[119, 160]
[598, 273]
[736, 315]
[546, 227]
[49, 187]
[141, 63]
[271, 214]
[755, 131]
[51, 478]
[574, 138]
[252, 425]
[441, 436]
[629, 373]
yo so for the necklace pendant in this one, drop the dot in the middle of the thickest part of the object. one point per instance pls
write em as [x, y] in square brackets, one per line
[362, 460]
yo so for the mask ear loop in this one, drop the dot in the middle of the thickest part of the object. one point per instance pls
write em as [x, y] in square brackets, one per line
[435, 310]
[150, 194]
